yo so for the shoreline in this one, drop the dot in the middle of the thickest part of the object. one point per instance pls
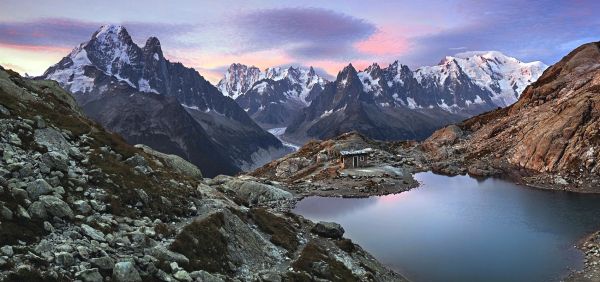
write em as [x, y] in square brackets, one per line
[590, 241]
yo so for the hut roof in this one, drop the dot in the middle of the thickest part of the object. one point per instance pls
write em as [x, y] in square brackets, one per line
[356, 152]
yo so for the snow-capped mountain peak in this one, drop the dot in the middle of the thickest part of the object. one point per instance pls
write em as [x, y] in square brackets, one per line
[240, 79]
[503, 76]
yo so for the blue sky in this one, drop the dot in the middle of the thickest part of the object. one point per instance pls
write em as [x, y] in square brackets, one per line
[210, 35]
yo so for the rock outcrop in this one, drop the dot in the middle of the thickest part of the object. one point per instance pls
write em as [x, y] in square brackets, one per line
[551, 134]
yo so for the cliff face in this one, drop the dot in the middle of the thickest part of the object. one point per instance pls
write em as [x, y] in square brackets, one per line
[554, 128]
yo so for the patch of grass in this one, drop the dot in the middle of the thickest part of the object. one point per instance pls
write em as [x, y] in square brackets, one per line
[205, 246]
[282, 232]
[313, 254]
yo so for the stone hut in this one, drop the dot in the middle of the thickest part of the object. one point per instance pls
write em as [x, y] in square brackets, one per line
[355, 158]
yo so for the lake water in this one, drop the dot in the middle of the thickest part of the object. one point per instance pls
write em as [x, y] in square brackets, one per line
[463, 229]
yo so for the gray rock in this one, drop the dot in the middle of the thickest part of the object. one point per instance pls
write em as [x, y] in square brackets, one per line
[328, 229]
[4, 111]
[7, 251]
[143, 196]
[163, 276]
[56, 160]
[52, 139]
[82, 206]
[136, 160]
[125, 272]
[56, 206]
[37, 210]
[162, 253]
[19, 193]
[90, 275]
[39, 122]
[6, 213]
[205, 276]
[174, 162]
[253, 193]
[64, 259]
[14, 139]
[37, 188]
[105, 263]
[22, 213]
[182, 275]
[93, 233]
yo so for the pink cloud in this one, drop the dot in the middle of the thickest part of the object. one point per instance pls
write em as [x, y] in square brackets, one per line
[384, 42]
[36, 48]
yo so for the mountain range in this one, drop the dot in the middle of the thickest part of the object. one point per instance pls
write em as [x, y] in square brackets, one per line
[388, 103]
[273, 97]
[109, 75]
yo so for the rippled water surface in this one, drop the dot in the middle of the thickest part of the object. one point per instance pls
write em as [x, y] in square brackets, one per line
[461, 229]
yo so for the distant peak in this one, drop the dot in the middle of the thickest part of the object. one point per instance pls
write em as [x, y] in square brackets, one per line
[348, 71]
[153, 46]
[484, 54]
[109, 29]
[112, 33]
[152, 41]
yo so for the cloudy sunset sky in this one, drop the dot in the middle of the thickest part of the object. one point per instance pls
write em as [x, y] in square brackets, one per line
[210, 35]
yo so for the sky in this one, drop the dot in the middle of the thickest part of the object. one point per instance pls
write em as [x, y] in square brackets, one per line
[211, 35]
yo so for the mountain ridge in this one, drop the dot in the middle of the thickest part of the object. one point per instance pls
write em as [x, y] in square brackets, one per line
[111, 64]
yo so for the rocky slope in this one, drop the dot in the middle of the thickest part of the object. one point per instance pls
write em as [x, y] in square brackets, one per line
[550, 137]
[273, 97]
[111, 65]
[79, 203]
[398, 103]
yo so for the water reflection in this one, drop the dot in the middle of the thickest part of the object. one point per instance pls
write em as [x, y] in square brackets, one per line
[463, 229]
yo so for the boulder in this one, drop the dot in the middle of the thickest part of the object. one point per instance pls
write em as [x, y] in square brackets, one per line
[37, 210]
[52, 139]
[162, 253]
[7, 251]
[174, 162]
[82, 206]
[56, 160]
[64, 259]
[90, 275]
[56, 207]
[104, 263]
[253, 193]
[182, 275]
[37, 188]
[92, 233]
[328, 229]
[6, 213]
[125, 272]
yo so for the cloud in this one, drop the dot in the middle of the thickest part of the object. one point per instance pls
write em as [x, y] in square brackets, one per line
[303, 32]
[59, 32]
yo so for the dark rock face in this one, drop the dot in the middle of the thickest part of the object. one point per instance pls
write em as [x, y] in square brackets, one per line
[163, 124]
[112, 65]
